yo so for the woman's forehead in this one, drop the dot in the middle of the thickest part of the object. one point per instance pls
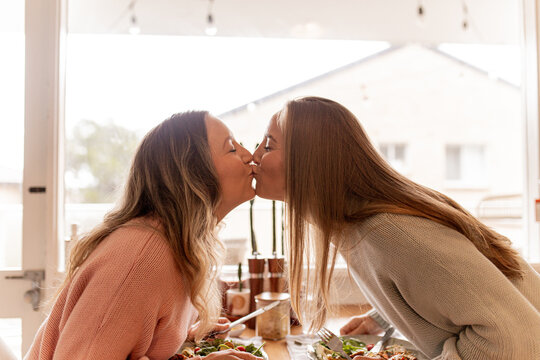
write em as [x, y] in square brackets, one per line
[274, 127]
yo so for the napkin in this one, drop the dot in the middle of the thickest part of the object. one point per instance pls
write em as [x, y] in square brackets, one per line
[297, 345]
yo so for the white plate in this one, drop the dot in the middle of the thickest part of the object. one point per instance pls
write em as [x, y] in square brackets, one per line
[372, 339]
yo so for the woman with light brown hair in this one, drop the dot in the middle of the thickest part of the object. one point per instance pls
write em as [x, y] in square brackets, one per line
[454, 287]
[138, 281]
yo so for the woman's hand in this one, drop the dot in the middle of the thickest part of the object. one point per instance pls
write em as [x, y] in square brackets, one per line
[231, 355]
[222, 324]
[362, 324]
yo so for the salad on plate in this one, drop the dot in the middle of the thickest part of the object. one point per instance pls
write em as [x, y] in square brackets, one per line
[208, 346]
[355, 347]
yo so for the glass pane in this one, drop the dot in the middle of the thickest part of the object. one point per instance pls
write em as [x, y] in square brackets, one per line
[11, 132]
[400, 152]
[453, 163]
[426, 94]
[10, 337]
[384, 151]
[474, 164]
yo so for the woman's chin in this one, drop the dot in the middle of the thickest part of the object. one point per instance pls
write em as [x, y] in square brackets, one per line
[249, 194]
[260, 192]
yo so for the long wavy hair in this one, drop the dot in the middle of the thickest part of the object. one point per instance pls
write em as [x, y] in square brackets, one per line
[336, 178]
[172, 179]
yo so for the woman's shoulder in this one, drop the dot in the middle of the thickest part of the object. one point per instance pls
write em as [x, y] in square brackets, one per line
[407, 230]
[137, 252]
[139, 241]
[383, 220]
[139, 234]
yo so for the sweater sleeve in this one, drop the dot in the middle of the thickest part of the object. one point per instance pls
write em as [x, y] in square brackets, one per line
[120, 307]
[447, 282]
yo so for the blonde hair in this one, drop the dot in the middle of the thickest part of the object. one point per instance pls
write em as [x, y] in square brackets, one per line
[172, 179]
[335, 178]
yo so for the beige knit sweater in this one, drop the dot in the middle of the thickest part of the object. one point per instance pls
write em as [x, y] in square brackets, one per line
[440, 292]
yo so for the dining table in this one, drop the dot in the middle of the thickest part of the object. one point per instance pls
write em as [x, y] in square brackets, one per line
[277, 350]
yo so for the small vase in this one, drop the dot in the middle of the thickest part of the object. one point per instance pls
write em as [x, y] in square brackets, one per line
[238, 302]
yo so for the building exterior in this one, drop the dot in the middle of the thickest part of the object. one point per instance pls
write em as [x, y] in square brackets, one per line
[443, 123]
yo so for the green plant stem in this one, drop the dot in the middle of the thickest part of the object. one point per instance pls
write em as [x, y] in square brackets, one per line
[240, 277]
[282, 229]
[274, 239]
[254, 250]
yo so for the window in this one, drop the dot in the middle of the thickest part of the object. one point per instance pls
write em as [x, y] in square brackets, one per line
[411, 87]
[395, 155]
[465, 166]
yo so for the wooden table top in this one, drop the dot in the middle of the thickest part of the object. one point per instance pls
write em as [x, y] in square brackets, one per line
[277, 350]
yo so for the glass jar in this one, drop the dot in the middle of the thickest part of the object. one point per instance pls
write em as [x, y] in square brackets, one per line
[275, 323]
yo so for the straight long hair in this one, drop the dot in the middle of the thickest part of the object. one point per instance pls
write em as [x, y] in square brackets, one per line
[336, 178]
[172, 179]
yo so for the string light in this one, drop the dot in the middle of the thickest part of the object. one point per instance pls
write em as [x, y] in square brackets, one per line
[211, 28]
[465, 22]
[420, 13]
[134, 28]
[420, 9]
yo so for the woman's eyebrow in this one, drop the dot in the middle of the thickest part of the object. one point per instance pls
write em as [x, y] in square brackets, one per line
[270, 137]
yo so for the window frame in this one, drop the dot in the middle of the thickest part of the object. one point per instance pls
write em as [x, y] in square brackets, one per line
[530, 81]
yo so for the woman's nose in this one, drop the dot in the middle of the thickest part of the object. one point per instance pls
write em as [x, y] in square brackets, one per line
[246, 155]
[257, 154]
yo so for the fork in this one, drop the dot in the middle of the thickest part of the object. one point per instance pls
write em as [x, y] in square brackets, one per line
[379, 345]
[333, 342]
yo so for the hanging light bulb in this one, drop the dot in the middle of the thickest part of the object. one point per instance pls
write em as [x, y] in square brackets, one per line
[465, 22]
[134, 29]
[211, 28]
[420, 14]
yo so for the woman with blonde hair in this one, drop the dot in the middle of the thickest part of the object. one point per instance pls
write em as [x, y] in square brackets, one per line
[454, 287]
[139, 280]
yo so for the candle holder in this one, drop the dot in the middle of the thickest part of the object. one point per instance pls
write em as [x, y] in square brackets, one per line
[227, 281]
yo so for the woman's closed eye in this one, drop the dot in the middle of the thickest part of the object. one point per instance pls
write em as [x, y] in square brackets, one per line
[232, 146]
[268, 146]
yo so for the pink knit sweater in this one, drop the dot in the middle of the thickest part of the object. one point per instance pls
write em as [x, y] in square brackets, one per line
[126, 301]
